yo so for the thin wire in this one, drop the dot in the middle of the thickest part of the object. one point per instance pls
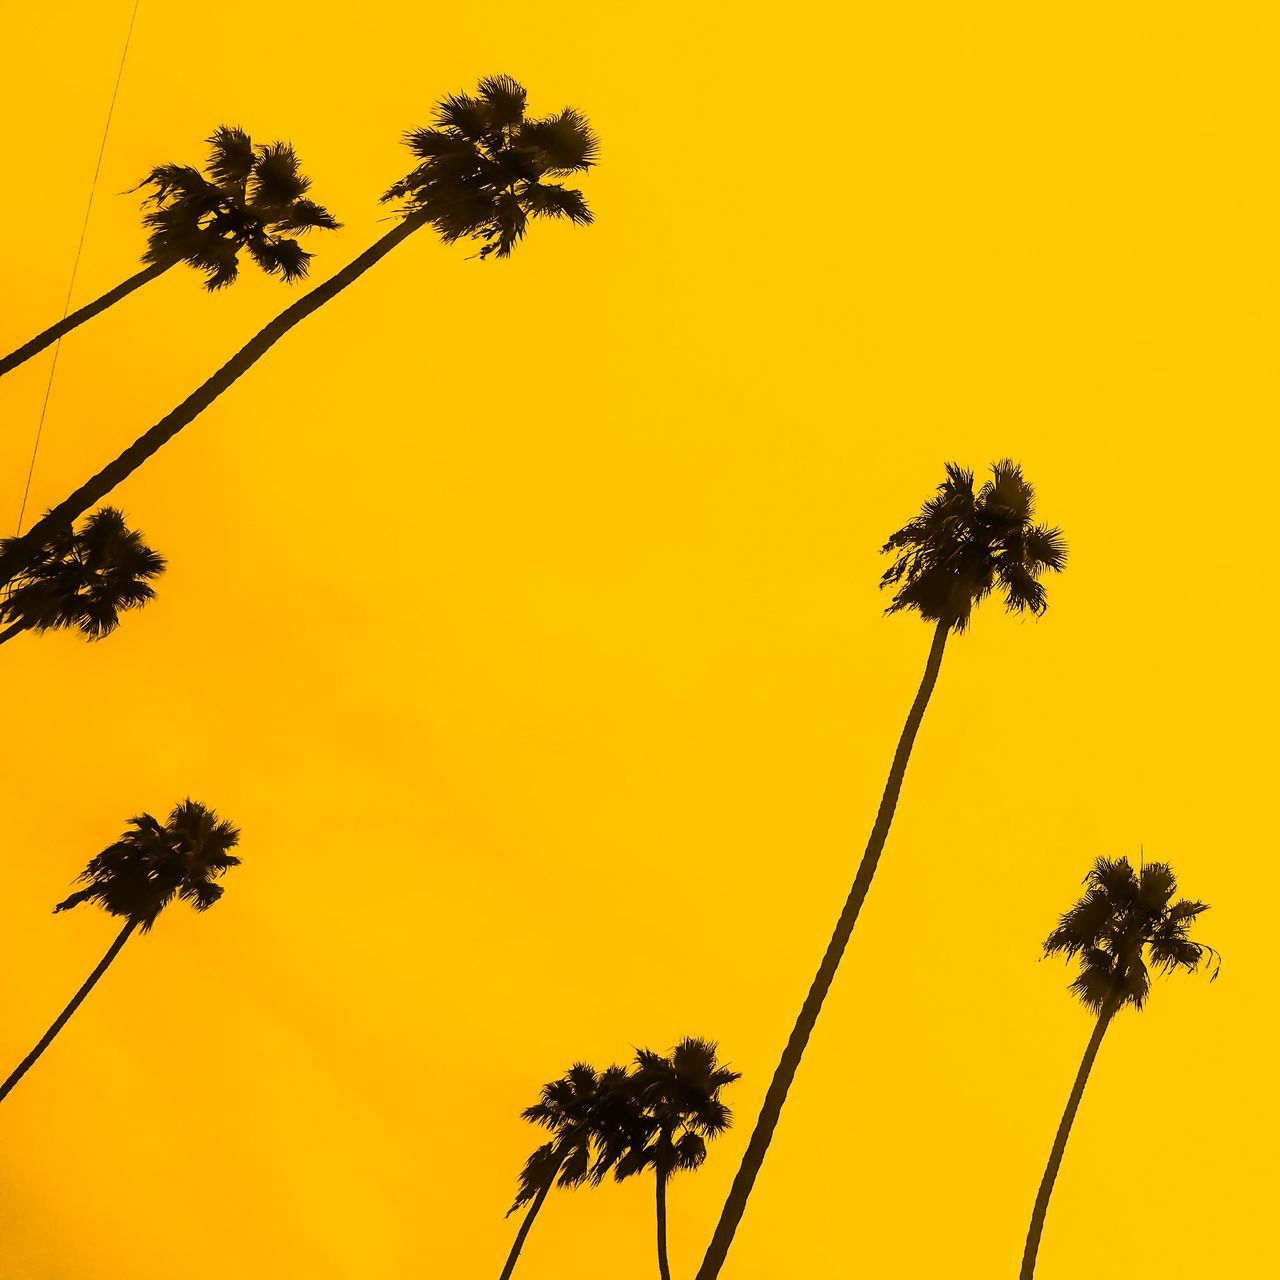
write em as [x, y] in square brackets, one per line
[75, 266]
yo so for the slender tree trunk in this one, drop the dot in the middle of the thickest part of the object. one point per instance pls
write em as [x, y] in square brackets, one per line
[77, 1000]
[664, 1267]
[524, 1227]
[785, 1072]
[16, 629]
[77, 318]
[19, 550]
[1060, 1145]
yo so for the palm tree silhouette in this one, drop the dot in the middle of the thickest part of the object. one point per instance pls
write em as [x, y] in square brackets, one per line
[483, 175]
[678, 1095]
[964, 545]
[137, 877]
[580, 1110]
[1125, 926]
[83, 579]
[253, 200]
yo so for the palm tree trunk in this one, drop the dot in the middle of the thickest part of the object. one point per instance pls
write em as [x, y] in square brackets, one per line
[762, 1135]
[77, 318]
[524, 1228]
[1060, 1145]
[95, 489]
[664, 1267]
[77, 1000]
[9, 632]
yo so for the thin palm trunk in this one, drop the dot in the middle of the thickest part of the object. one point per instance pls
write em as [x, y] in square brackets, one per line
[90, 309]
[529, 1220]
[77, 1000]
[664, 1267]
[524, 1230]
[1060, 1145]
[97, 488]
[16, 629]
[779, 1086]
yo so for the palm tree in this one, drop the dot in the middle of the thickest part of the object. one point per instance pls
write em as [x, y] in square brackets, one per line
[483, 175]
[963, 546]
[82, 578]
[252, 200]
[680, 1112]
[138, 876]
[1125, 926]
[580, 1110]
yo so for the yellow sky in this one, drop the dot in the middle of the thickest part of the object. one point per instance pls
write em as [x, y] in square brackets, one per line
[524, 616]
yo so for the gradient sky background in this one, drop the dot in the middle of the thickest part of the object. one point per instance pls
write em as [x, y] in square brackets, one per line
[524, 616]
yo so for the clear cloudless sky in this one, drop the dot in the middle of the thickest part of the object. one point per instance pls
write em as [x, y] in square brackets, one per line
[525, 617]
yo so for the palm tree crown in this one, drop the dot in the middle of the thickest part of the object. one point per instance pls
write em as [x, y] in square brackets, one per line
[965, 544]
[579, 1110]
[84, 579]
[484, 164]
[155, 862]
[1124, 926]
[680, 1109]
[253, 198]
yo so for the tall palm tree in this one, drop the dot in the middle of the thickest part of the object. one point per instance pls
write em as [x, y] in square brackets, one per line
[138, 876]
[83, 578]
[580, 1110]
[1123, 927]
[680, 1112]
[965, 544]
[253, 199]
[485, 172]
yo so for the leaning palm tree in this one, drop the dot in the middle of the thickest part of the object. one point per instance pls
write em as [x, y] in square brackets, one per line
[138, 876]
[1125, 926]
[680, 1112]
[250, 199]
[486, 169]
[83, 579]
[965, 544]
[579, 1110]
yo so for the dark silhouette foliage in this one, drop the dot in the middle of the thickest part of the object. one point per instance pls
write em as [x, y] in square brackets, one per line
[967, 543]
[151, 865]
[155, 863]
[488, 193]
[485, 166]
[964, 544]
[250, 199]
[584, 1111]
[1125, 927]
[679, 1110]
[82, 579]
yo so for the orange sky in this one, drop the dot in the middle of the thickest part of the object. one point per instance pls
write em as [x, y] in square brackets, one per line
[524, 616]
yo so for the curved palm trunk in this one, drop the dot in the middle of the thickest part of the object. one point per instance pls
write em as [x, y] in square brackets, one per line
[524, 1227]
[1060, 1145]
[664, 1267]
[77, 1000]
[762, 1135]
[95, 489]
[90, 309]
[16, 629]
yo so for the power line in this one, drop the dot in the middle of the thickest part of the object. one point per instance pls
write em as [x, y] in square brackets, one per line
[75, 266]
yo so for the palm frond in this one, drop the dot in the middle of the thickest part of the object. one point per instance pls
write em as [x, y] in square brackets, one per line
[549, 200]
[504, 99]
[231, 156]
[284, 258]
[564, 143]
